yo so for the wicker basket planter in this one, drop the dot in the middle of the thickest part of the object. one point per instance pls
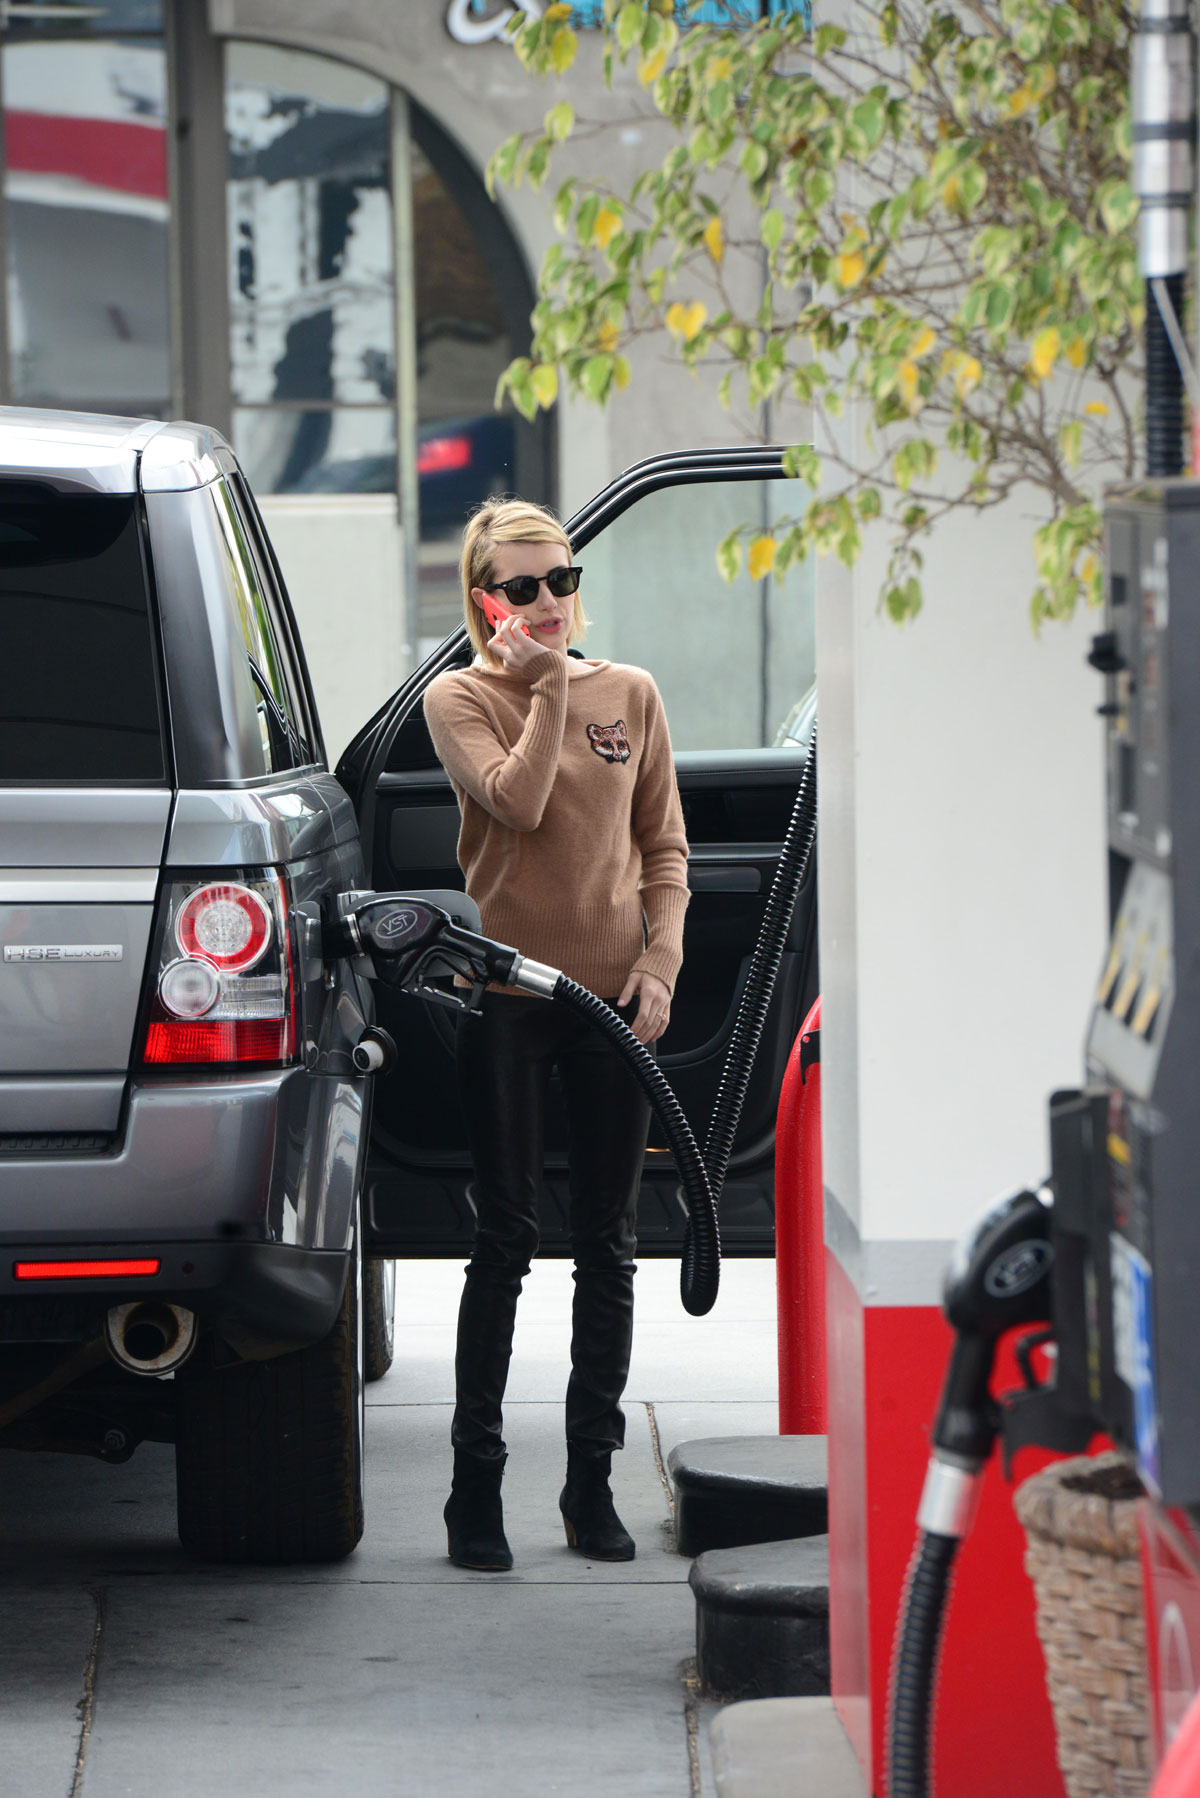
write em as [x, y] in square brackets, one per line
[1080, 1521]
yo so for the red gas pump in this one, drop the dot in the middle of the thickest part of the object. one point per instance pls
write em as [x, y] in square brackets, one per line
[800, 1237]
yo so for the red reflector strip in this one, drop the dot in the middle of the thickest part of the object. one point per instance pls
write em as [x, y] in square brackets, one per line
[83, 1270]
[203, 1040]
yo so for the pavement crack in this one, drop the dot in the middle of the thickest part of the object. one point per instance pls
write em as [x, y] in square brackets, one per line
[690, 1676]
[670, 1542]
[87, 1703]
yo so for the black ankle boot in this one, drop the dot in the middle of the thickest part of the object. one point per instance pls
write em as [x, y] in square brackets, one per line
[590, 1520]
[475, 1516]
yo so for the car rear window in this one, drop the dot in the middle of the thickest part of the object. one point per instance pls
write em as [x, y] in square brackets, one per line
[78, 688]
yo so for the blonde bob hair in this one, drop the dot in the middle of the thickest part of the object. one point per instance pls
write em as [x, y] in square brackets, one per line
[505, 521]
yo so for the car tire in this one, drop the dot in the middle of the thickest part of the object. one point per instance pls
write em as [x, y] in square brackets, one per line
[269, 1454]
[379, 1317]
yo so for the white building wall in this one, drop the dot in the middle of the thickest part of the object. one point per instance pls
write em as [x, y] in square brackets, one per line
[962, 894]
[350, 614]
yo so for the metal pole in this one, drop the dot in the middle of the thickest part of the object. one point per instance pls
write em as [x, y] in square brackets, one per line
[407, 490]
[1164, 130]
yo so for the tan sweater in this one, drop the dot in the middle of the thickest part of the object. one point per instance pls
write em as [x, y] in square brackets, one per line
[571, 823]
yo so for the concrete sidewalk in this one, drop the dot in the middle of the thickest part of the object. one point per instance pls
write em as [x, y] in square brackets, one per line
[131, 1673]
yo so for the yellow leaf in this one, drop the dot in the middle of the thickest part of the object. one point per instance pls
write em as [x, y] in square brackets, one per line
[607, 224]
[606, 336]
[1076, 351]
[563, 44]
[651, 67]
[1087, 567]
[952, 191]
[561, 9]
[714, 239]
[1043, 352]
[621, 372]
[1097, 408]
[924, 343]
[544, 381]
[1020, 100]
[720, 68]
[762, 557]
[851, 266]
[684, 322]
[968, 376]
[909, 376]
[693, 319]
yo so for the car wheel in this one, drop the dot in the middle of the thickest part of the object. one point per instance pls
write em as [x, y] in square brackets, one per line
[269, 1454]
[379, 1316]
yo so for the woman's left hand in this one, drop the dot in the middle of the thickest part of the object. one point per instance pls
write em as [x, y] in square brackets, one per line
[654, 1005]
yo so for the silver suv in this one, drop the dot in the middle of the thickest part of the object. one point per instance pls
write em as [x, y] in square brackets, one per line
[182, 1128]
[186, 1187]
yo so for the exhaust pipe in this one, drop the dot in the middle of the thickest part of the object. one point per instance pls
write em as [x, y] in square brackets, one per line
[150, 1336]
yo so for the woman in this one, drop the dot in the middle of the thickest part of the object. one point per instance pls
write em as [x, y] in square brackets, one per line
[573, 847]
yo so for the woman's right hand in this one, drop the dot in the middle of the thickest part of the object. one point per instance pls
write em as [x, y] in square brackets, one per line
[513, 647]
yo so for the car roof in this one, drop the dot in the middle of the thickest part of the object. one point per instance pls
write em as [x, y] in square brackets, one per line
[88, 452]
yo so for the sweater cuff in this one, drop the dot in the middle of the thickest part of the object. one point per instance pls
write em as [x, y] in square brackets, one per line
[664, 906]
[546, 724]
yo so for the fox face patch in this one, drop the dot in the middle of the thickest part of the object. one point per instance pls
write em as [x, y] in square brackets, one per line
[610, 741]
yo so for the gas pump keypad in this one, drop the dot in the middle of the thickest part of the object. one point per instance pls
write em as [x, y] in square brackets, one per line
[1133, 1000]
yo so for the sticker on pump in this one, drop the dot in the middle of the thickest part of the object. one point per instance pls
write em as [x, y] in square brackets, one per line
[1133, 1348]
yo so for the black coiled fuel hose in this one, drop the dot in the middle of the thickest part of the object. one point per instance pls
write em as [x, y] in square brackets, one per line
[701, 1178]
[760, 981]
[700, 1271]
[914, 1665]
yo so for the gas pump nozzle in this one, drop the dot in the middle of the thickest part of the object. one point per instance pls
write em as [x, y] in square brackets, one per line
[998, 1280]
[408, 941]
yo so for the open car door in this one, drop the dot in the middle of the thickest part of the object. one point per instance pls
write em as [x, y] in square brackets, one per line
[735, 666]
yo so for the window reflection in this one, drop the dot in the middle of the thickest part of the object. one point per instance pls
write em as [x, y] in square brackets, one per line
[465, 450]
[311, 269]
[297, 450]
[86, 194]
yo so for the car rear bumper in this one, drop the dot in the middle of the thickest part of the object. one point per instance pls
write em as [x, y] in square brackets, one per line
[240, 1187]
[221, 1158]
[262, 1298]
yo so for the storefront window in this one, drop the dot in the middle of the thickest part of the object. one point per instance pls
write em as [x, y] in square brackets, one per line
[465, 449]
[311, 272]
[85, 182]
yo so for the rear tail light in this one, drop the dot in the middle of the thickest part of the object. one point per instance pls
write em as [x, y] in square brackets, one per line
[229, 925]
[224, 986]
[442, 455]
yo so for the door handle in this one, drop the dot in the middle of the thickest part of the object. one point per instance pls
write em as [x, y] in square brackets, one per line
[738, 878]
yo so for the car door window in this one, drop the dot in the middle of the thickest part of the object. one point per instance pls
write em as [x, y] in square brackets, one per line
[280, 744]
[732, 659]
[288, 654]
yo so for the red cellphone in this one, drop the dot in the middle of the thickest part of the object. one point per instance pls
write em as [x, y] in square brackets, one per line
[495, 612]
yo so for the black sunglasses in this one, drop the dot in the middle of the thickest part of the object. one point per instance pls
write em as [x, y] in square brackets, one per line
[523, 589]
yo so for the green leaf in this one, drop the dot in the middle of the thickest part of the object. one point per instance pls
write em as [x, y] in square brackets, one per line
[1070, 441]
[630, 20]
[560, 121]
[803, 461]
[771, 227]
[562, 50]
[754, 160]
[827, 38]
[502, 163]
[1118, 206]
[729, 553]
[597, 376]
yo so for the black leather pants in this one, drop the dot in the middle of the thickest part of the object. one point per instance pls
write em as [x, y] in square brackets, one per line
[505, 1059]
